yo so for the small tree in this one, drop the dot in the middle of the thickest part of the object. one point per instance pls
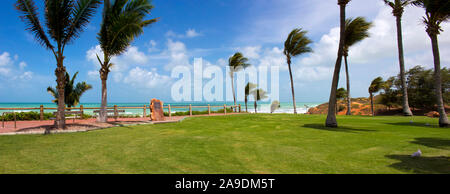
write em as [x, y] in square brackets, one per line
[72, 92]
[375, 87]
[248, 90]
[259, 94]
[274, 106]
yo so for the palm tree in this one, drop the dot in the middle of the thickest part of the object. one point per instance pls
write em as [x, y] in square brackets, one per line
[398, 7]
[122, 22]
[259, 94]
[331, 117]
[236, 63]
[356, 30]
[72, 92]
[375, 86]
[341, 93]
[65, 20]
[248, 90]
[274, 106]
[296, 44]
[436, 12]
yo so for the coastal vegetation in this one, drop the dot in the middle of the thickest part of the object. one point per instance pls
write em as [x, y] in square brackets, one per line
[331, 117]
[73, 92]
[356, 30]
[297, 43]
[65, 21]
[236, 63]
[123, 21]
[436, 12]
[247, 143]
[398, 7]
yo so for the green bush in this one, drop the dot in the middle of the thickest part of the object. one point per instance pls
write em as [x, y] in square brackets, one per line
[26, 116]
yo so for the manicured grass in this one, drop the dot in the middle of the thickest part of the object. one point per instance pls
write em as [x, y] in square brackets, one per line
[262, 143]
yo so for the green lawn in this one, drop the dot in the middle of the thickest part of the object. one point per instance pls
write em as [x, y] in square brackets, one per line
[262, 143]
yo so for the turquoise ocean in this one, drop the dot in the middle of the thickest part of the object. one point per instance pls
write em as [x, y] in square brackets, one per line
[263, 107]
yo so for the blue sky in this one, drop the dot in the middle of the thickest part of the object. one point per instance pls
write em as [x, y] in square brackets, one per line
[214, 30]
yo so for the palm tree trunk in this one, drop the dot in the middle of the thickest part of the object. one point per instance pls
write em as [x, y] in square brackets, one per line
[60, 121]
[103, 114]
[443, 120]
[256, 105]
[232, 87]
[349, 101]
[246, 110]
[406, 110]
[292, 86]
[331, 117]
[371, 104]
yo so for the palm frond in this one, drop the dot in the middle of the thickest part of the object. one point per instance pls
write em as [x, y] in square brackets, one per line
[82, 12]
[57, 17]
[29, 15]
[297, 43]
[356, 30]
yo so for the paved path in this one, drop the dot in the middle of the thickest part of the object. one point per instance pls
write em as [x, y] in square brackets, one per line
[40, 127]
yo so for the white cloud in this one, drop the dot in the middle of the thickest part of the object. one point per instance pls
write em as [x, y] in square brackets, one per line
[251, 52]
[177, 54]
[131, 57]
[152, 46]
[22, 65]
[11, 70]
[309, 74]
[5, 59]
[142, 78]
[190, 33]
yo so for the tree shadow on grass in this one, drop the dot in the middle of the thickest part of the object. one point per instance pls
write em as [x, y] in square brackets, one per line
[422, 165]
[337, 129]
[439, 143]
[416, 124]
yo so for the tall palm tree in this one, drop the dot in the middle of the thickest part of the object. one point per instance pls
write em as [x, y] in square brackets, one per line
[237, 62]
[375, 86]
[436, 12]
[296, 44]
[398, 7]
[356, 30]
[258, 94]
[331, 117]
[122, 22]
[72, 92]
[248, 90]
[65, 20]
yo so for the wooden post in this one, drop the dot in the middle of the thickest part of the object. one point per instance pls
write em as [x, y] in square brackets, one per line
[209, 109]
[82, 111]
[15, 124]
[190, 110]
[225, 109]
[115, 112]
[170, 113]
[145, 110]
[239, 108]
[41, 117]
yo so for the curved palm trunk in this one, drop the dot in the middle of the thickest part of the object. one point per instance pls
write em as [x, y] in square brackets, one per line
[103, 114]
[371, 104]
[331, 117]
[443, 120]
[405, 103]
[232, 87]
[292, 86]
[349, 100]
[60, 72]
[256, 105]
